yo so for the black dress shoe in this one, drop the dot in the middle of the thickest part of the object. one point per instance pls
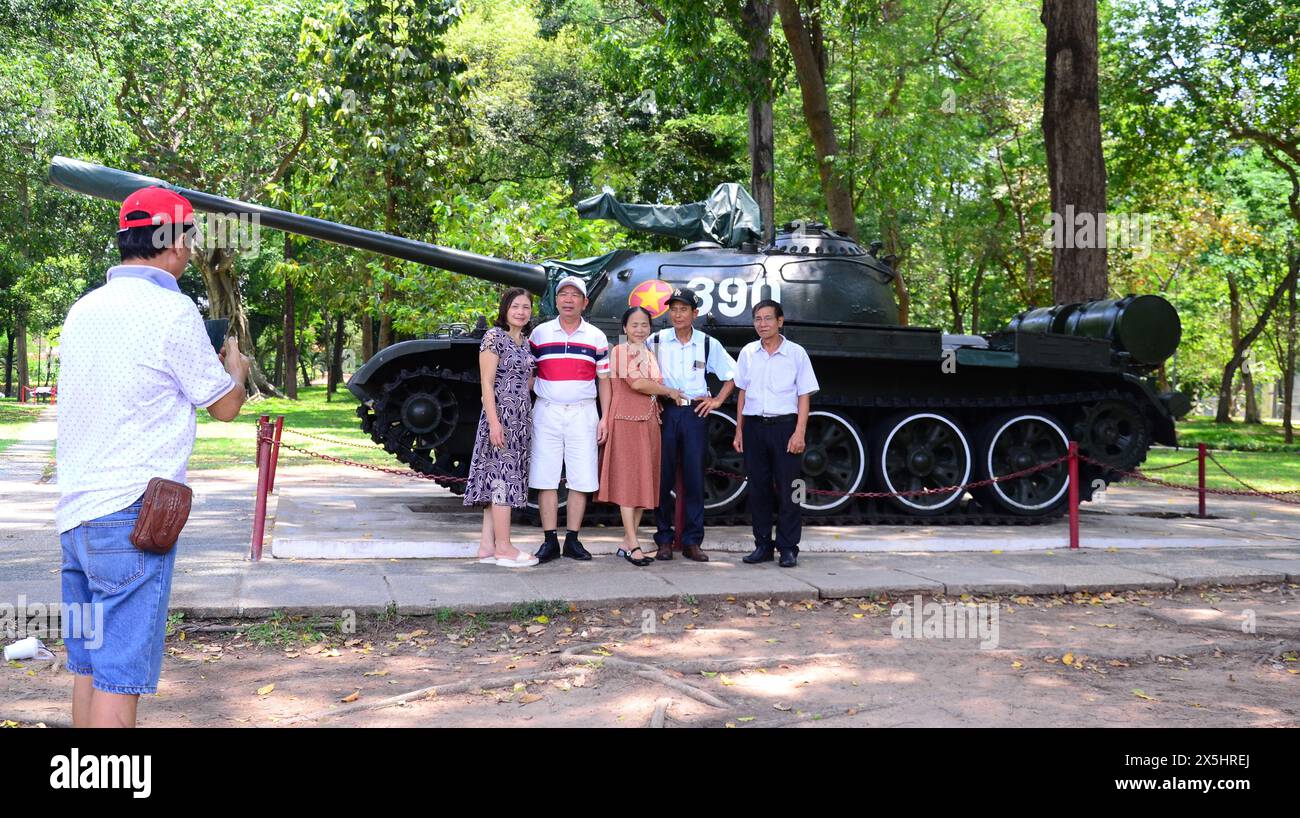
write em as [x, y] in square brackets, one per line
[760, 554]
[789, 559]
[550, 550]
[573, 549]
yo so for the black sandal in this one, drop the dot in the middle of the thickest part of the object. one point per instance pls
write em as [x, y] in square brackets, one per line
[642, 562]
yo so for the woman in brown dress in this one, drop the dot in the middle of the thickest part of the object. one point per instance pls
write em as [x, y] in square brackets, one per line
[629, 463]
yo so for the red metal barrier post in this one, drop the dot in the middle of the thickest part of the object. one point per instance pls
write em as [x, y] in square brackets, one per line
[263, 479]
[275, 452]
[1200, 479]
[1074, 494]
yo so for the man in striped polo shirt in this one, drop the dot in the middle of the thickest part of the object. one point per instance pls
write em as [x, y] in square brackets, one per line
[572, 371]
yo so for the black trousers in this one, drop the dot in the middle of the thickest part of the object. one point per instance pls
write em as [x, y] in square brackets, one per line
[772, 475]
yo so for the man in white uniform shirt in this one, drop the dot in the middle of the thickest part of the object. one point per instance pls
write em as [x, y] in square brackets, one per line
[135, 362]
[685, 356]
[776, 383]
[572, 372]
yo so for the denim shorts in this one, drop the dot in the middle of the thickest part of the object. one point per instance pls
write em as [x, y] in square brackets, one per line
[102, 568]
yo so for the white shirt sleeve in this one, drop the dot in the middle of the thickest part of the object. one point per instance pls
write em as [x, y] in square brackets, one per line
[720, 363]
[192, 363]
[742, 369]
[805, 380]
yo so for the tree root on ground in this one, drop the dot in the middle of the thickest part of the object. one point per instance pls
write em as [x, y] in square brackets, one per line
[491, 683]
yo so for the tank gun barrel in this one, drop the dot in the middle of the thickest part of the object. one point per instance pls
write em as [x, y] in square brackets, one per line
[116, 185]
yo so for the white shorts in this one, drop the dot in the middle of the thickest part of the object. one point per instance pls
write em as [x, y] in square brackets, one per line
[564, 435]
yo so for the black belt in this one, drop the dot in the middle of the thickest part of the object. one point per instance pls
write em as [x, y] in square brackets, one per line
[668, 403]
[773, 419]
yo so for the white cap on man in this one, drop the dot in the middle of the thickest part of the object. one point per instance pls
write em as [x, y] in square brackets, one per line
[572, 281]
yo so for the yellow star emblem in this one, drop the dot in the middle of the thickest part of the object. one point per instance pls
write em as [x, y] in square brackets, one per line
[653, 295]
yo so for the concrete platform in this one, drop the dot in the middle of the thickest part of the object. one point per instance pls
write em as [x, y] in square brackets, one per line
[358, 520]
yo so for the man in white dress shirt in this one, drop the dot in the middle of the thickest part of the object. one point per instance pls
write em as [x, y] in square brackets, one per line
[776, 383]
[685, 356]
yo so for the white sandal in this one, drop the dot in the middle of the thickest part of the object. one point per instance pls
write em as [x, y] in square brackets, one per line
[525, 560]
[487, 560]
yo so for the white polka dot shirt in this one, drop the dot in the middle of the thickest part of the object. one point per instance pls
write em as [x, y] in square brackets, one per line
[135, 361]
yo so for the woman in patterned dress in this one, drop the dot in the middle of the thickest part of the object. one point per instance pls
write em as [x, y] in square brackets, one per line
[498, 472]
[629, 465]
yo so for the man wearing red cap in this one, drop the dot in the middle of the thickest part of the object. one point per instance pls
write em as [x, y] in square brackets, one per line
[135, 362]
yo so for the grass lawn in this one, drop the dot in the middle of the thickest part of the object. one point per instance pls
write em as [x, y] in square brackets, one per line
[223, 445]
[1257, 453]
[1254, 437]
[1269, 471]
[13, 416]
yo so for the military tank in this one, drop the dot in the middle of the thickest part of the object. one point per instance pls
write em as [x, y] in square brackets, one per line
[900, 408]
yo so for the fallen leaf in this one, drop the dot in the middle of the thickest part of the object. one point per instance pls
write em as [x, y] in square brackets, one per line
[784, 708]
[1137, 691]
[708, 673]
[744, 718]
[858, 616]
[542, 620]
[266, 691]
[529, 698]
[1017, 664]
[1067, 659]
[356, 694]
[533, 630]
[375, 673]
[728, 682]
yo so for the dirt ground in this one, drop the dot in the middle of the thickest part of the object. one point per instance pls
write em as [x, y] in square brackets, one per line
[1127, 659]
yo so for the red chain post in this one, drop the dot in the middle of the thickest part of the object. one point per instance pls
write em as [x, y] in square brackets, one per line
[1200, 479]
[275, 452]
[1074, 494]
[263, 478]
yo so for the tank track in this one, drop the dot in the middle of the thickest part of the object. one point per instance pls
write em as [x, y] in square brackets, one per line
[861, 512]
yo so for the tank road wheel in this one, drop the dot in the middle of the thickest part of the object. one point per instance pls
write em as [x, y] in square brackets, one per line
[721, 493]
[417, 412]
[1014, 442]
[1114, 432]
[834, 460]
[922, 450]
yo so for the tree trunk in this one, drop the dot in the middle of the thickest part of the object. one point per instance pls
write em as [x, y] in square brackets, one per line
[975, 298]
[336, 358]
[367, 336]
[290, 331]
[225, 301]
[9, 356]
[20, 329]
[1076, 167]
[755, 30]
[1240, 347]
[1288, 372]
[894, 247]
[805, 48]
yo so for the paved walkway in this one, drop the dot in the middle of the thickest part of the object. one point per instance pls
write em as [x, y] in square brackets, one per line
[25, 461]
[1251, 541]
